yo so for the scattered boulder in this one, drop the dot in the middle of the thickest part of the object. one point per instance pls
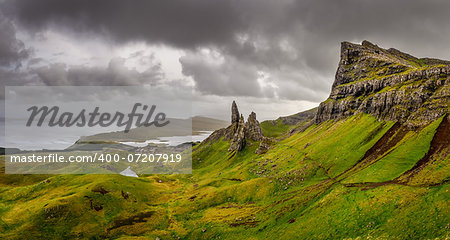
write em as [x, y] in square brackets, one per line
[125, 195]
[100, 190]
[264, 145]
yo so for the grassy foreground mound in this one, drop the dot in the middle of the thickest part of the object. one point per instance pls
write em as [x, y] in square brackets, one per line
[354, 178]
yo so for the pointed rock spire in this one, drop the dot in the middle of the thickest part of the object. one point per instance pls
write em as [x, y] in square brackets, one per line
[234, 113]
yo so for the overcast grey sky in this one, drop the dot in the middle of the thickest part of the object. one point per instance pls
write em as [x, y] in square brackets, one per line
[275, 57]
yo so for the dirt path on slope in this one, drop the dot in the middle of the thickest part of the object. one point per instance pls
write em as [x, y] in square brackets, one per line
[439, 143]
[382, 147]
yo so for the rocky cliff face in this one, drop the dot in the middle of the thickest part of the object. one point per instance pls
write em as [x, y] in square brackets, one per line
[388, 84]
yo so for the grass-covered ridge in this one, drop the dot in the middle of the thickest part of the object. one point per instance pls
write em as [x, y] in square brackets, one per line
[282, 125]
[325, 182]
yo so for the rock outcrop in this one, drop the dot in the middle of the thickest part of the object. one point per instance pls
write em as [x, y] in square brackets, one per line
[243, 131]
[239, 132]
[388, 84]
[234, 113]
[238, 141]
[264, 145]
[253, 129]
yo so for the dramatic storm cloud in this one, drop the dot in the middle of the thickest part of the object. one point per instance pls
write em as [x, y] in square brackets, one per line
[116, 74]
[269, 50]
[12, 50]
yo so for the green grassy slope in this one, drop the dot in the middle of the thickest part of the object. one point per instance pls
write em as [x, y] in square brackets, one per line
[275, 128]
[326, 182]
[282, 125]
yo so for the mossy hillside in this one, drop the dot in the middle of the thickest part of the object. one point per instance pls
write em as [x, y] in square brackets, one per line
[283, 125]
[14, 180]
[412, 148]
[336, 146]
[286, 198]
[291, 190]
[69, 206]
[275, 128]
[432, 173]
[391, 212]
[106, 158]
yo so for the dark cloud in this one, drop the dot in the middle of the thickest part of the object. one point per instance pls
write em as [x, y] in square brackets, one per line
[34, 61]
[116, 74]
[11, 77]
[295, 43]
[12, 50]
[177, 22]
[214, 75]
[60, 74]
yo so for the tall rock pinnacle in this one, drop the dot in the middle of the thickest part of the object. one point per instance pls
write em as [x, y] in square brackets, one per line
[234, 113]
[253, 129]
[239, 133]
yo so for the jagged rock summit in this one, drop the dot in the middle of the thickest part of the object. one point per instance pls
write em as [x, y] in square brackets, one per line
[388, 84]
[234, 113]
[239, 132]
[243, 131]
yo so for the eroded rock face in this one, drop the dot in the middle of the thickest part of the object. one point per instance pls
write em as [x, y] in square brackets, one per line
[243, 131]
[234, 113]
[253, 129]
[264, 145]
[239, 132]
[387, 84]
[238, 141]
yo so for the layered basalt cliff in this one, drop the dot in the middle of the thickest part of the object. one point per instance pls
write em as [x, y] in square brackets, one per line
[388, 84]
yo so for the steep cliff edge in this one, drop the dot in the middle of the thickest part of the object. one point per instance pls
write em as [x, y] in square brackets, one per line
[388, 84]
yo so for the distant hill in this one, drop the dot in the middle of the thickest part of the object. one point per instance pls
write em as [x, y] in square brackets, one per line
[282, 125]
[200, 123]
[178, 127]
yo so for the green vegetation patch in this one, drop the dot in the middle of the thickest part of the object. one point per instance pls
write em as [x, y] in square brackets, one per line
[401, 159]
[337, 145]
[275, 128]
